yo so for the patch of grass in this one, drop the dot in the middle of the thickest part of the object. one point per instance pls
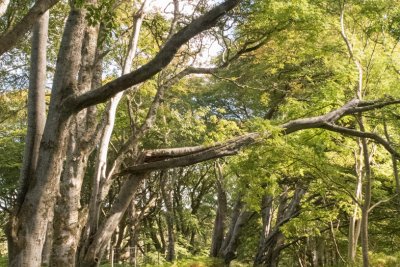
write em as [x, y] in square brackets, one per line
[195, 262]
[3, 261]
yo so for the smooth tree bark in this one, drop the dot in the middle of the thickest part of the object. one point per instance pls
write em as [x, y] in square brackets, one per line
[82, 139]
[36, 113]
[29, 226]
[354, 221]
[36, 102]
[167, 186]
[101, 178]
[222, 206]
[272, 241]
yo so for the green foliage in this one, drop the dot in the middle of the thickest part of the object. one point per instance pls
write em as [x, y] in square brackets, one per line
[302, 70]
[3, 262]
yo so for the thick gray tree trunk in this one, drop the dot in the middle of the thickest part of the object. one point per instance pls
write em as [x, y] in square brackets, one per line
[68, 220]
[36, 102]
[29, 228]
[272, 239]
[36, 113]
[167, 194]
[219, 223]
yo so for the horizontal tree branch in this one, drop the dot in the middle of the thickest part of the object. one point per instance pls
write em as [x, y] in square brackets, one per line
[159, 159]
[230, 147]
[381, 201]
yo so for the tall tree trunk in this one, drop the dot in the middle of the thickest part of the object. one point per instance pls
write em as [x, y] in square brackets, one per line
[36, 102]
[267, 214]
[36, 113]
[167, 189]
[269, 250]
[367, 190]
[219, 223]
[68, 220]
[354, 224]
[367, 197]
[29, 227]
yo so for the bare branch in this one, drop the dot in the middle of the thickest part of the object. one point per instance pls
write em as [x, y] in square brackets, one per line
[380, 202]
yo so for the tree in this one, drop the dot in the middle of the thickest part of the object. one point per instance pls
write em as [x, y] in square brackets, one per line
[278, 70]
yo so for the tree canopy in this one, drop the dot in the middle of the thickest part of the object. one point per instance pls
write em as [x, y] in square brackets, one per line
[235, 132]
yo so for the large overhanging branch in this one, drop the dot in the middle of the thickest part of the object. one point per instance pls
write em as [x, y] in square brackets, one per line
[10, 38]
[162, 59]
[159, 159]
[198, 154]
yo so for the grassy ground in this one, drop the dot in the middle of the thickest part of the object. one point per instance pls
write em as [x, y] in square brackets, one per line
[190, 262]
[3, 262]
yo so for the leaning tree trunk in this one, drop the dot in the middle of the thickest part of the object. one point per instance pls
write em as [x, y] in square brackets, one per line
[101, 179]
[99, 242]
